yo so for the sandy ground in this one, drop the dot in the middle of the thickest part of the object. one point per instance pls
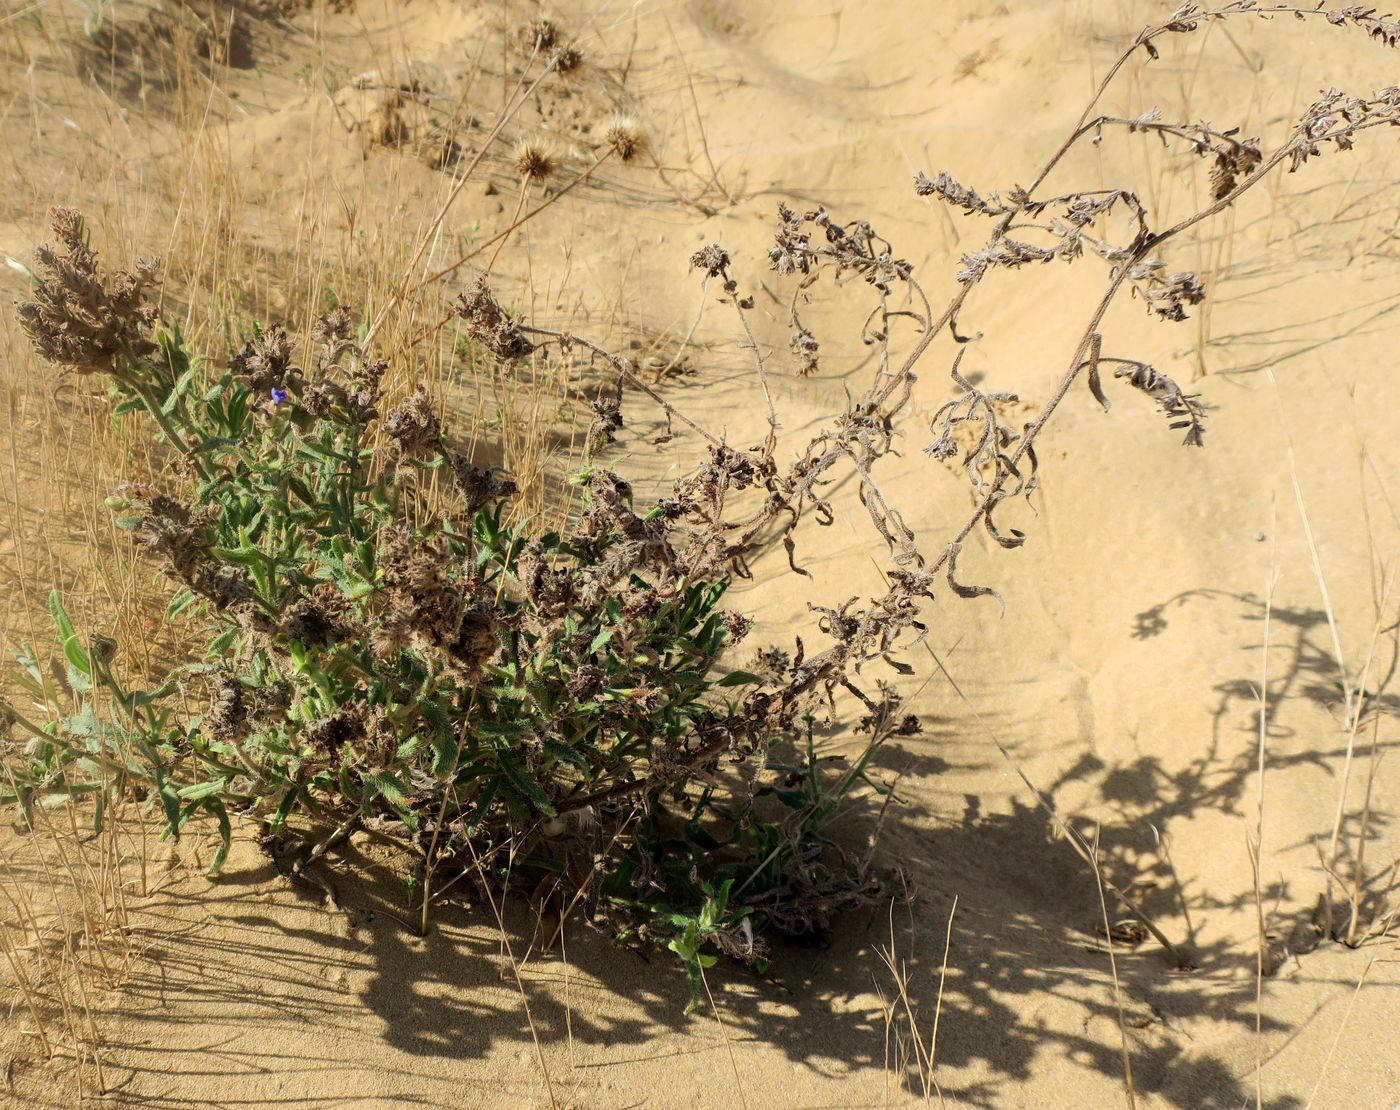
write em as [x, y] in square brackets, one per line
[1123, 675]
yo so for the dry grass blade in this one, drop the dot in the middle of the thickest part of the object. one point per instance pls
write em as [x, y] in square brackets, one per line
[1129, 1088]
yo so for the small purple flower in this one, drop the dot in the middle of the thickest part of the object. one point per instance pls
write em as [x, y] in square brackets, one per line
[279, 396]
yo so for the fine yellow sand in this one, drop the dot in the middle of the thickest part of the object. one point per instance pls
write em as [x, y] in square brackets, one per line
[1123, 676]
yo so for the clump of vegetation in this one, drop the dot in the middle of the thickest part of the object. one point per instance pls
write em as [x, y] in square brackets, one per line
[382, 651]
[514, 707]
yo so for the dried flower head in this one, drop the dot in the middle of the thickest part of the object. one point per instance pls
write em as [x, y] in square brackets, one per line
[80, 318]
[567, 59]
[539, 34]
[479, 486]
[227, 718]
[328, 736]
[534, 160]
[265, 361]
[1232, 163]
[714, 260]
[308, 621]
[490, 325]
[624, 135]
[413, 423]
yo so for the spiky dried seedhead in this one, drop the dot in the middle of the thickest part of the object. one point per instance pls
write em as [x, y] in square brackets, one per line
[624, 136]
[79, 318]
[535, 161]
[539, 35]
[567, 59]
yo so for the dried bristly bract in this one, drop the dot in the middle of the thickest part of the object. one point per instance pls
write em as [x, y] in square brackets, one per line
[80, 318]
[329, 736]
[791, 252]
[1335, 118]
[490, 325]
[986, 461]
[431, 604]
[1182, 410]
[539, 35]
[310, 621]
[1082, 209]
[1010, 253]
[535, 160]
[846, 247]
[567, 59]
[624, 137]
[181, 537]
[333, 334]
[1385, 29]
[227, 719]
[479, 486]
[959, 195]
[607, 416]
[772, 663]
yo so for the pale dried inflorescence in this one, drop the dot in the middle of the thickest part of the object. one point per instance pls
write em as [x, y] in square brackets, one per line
[566, 59]
[180, 538]
[80, 318]
[624, 137]
[413, 424]
[713, 259]
[954, 193]
[535, 161]
[490, 325]
[539, 35]
[1183, 410]
[265, 361]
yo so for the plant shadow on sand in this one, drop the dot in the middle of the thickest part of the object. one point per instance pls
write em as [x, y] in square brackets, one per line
[1027, 980]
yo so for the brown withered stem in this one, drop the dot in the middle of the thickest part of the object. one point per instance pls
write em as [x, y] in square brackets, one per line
[742, 498]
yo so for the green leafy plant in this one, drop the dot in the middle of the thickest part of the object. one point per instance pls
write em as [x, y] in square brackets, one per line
[384, 651]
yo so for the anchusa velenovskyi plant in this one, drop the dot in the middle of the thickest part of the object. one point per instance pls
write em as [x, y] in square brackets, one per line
[385, 651]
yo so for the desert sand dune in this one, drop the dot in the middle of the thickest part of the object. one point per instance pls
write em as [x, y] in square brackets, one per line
[1121, 680]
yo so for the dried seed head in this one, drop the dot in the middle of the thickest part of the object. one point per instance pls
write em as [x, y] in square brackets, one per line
[479, 487]
[539, 34]
[535, 161]
[714, 260]
[490, 325]
[328, 736]
[227, 718]
[624, 135]
[308, 621]
[265, 360]
[1231, 163]
[80, 318]
[414, 423]
[1183, 411]
[567, 59]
